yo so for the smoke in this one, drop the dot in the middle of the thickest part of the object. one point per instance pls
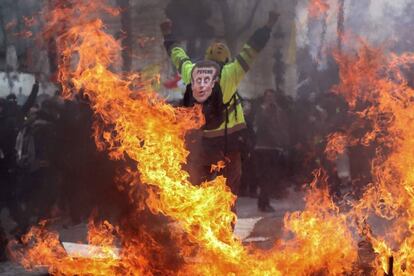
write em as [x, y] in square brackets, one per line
[383, 20]
[377, 22]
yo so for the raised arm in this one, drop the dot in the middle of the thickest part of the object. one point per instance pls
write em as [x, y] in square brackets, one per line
[234, 72]
[178, 56]
[31, 100]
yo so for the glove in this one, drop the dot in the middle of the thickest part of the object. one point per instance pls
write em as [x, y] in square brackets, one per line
[273, 17]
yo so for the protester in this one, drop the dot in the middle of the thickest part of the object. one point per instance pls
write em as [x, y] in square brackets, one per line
[12, 117]
[271, 149]
[248, 178]
[214, 85]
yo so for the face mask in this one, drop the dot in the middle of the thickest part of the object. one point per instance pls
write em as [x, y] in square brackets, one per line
[202, 83]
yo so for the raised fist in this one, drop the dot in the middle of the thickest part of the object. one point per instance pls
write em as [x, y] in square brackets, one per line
[273, 17]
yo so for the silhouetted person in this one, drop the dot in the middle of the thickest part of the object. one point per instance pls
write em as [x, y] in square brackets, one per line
[272, 145]
[11, 120]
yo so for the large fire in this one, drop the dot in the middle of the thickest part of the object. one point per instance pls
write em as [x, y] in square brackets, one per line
[375, 80]
[138, 124]
[337, 143]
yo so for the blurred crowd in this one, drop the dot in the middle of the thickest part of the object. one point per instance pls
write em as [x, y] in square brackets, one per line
[287, 140]
[49, 164]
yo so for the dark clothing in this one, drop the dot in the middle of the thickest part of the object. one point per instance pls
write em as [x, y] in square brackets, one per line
[225, 118]
[11, 120]
[3, 245]
[205, 152]
[270, 168]
[272, 128]
[248, 183]
[272, 146]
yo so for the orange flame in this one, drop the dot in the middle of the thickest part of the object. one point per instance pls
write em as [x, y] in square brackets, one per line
[337, 143]
[218, 167]
[375, 81]
[137, 123]
[318, 8]
[47, 251]
[323, 241]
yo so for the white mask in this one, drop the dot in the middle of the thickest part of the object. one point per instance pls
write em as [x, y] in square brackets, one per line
[202, 82]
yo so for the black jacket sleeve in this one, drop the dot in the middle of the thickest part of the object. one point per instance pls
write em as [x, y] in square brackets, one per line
[260, 38]
[169, 43]
[31, 100]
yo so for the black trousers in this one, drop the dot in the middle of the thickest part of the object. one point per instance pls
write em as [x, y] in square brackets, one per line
[199, 168]
[270, 167]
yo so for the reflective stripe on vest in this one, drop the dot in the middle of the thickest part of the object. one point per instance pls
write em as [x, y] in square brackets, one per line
[221, 132]
[234, 123]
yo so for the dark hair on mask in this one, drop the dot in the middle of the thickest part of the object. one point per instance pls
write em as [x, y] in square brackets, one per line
[207, 64]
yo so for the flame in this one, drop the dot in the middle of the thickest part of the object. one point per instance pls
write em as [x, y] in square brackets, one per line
[318, 8]
[337, 143]
[143, 126]
[47, 251]
[323, 240]
[133, 121]
[374, 84]
[218, 167]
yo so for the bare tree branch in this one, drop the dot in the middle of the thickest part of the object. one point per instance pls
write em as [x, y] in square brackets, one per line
[228, 22]
[227, 18]
[224, 7]
[249, 21]
[340, 24]
[230, 25]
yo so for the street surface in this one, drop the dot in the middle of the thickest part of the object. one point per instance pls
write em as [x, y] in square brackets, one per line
[253, 226]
